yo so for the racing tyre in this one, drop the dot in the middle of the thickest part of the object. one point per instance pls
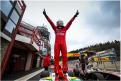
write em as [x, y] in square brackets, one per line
[95, 76]
[44, 74]
[70, 73]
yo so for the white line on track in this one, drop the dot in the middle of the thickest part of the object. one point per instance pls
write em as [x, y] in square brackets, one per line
[26, 77]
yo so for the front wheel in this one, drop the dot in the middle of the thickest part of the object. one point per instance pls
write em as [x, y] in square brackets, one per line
[44, 73]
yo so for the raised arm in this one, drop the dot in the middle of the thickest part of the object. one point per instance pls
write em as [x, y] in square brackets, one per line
[49, 20]
[72, 19]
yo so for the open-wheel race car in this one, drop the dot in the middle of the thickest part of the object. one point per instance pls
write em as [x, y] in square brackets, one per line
[75, 74]
[49, 75]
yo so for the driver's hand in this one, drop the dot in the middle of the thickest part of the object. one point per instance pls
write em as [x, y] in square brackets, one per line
[77, 13]
[44, 12]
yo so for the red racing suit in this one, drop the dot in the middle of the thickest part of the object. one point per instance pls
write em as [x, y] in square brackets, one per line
[46, 61]
[60, 44]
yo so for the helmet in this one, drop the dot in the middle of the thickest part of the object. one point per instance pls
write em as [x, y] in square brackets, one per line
[60, 23]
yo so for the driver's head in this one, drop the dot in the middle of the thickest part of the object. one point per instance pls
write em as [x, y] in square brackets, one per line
[60, 24]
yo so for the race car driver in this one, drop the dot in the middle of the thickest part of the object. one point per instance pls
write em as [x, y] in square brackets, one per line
[60, 41]
[46, 61]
